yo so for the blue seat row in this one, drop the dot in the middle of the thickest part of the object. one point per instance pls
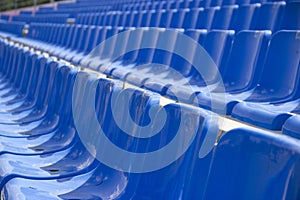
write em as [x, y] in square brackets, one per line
[244, 17]
[57, 18]
[72, 12]
[101, 6]
[228, 57]
[156, 5]
[66, 161]
[260, 55]
[15, 28]
[65, 133]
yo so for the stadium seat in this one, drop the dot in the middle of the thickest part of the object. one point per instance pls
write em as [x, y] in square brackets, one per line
[150, 99]
[282, 63]
[217, 45]
[223, 17]
[241, 70]
[291, 127]
[291, 19]
[251, 164]
[245, 17]
[272, 13]
[190, 18]
[137, 185]
[205, 18]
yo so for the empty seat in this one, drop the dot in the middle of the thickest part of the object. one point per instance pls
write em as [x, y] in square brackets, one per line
[241, 71]
[165, 71]
[272, 13]
[138, 185]
[65, 133]
[162, 55]
[208, 65]
[191, 17]
[268, 172]
[278, 82]
[104, 52]
[223, 17]
[178, 18]
[292, 127]
[291, 19]
[246, 17]
[205, 18]
[139, 51]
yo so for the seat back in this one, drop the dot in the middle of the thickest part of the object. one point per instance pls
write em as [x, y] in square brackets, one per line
[178, 18]
[272, 13]
[166, 17]
[280, 72]
[253, 164]
[180, 64]
[291, 20]
[191, 17]
[177, 130]
[248, 50]
[217, 44]
[224, 16]
[245, 17]
[205, 18]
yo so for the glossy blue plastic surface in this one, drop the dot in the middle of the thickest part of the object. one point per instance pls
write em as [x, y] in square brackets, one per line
[282, 63]
[241, 70]
[253, 164]
[50, 147]
[292, 127]
[132, 185]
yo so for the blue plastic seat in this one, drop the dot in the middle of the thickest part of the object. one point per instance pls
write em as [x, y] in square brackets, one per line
[178, 18]
[291, 19]
[136, 185]
[129, 18]
[282, 63]
[51, 142]
[100, 35]
[104, 52]
[136, 18]
[94, 19]
[73, 42]
[69, 40]
[205, 18]
[223, 17]
[78, 47]
[13, 82]
[50, 164]
[100, 19]
[12, 63]
[27, 94]
[140, 73]
[292, 127]
[191, 17]
[76, 158]
[241, 71]
[246, 17]
[272, 13]
[166, 17]
[172, 67]
[268, 172]
[135, 55]
[87, 45]
[216, 45]
[144, 19]
[47, 114]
